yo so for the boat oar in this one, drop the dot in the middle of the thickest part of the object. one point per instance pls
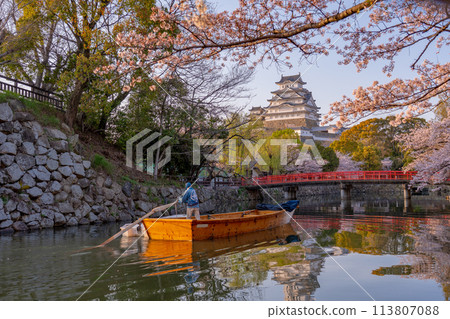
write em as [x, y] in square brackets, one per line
[154, 210]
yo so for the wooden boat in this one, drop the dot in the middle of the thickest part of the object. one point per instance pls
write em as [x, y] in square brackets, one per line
[215, 226]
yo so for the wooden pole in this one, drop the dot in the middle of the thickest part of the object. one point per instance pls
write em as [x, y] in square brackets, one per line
[154, 210]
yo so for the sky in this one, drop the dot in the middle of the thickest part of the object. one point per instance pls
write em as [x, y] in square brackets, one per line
[326, 79]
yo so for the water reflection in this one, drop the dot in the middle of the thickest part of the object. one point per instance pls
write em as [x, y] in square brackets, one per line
[181, 255]
[422, 244]
[384, 251]
[372, 204]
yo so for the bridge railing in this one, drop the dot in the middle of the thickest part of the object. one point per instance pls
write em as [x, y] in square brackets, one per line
[330, 176]
[221, 181]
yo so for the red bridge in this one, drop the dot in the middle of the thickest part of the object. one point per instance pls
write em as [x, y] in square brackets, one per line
[290, 183]
[330, 178]
[346, 180]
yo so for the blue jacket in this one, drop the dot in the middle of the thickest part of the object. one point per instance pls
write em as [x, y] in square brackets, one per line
[191, 198]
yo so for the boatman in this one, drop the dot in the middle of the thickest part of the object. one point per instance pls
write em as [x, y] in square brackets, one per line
[190, 197]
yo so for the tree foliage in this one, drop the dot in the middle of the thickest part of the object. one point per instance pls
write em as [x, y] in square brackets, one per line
[329, 155]
[241, 129]
[347, 164]
[59, 44]
[373, 140]
[271, 152]
[186, 106]
[429, 149]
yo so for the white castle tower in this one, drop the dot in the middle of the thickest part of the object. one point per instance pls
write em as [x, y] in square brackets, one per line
[292, 106]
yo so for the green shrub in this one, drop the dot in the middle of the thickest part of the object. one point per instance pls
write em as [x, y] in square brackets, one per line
[128, 179]
[101, 162]
[153, 198]
[4, 199]
[5, 96]
[329, 155]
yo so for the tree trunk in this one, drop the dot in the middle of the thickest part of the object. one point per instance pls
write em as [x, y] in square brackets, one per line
[74, 102]
[106, 115]
[161, 121]
[156, 168]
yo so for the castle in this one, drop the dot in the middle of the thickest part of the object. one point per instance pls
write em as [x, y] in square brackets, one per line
[292, 106]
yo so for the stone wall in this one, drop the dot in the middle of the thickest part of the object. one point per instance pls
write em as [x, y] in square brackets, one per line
[385, 189]
[359, 191]
[44, 183]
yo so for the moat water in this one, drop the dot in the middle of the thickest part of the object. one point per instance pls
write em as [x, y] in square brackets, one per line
[375, 251]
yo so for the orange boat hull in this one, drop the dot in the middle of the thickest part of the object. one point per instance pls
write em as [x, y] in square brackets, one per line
[215, 226]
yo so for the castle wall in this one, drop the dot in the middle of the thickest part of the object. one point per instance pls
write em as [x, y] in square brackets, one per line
[282, 124]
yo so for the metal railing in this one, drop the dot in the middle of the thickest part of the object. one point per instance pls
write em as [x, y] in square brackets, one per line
[31, 92]
[217, 181]
[221, 181]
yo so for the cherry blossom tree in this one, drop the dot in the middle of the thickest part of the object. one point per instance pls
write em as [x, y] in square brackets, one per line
[307, 165]
[386, 164]
[270, 30]
[346, 163]
[430, 149]
[265, 29]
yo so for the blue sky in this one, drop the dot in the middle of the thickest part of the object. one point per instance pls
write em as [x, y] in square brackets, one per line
[327, 80]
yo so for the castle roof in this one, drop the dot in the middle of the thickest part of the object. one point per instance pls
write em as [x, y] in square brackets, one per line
[290, 104]
[314, 108]
[291, 78]
[277, 98]
[286, 90]
[300, 128]
[274, 116]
